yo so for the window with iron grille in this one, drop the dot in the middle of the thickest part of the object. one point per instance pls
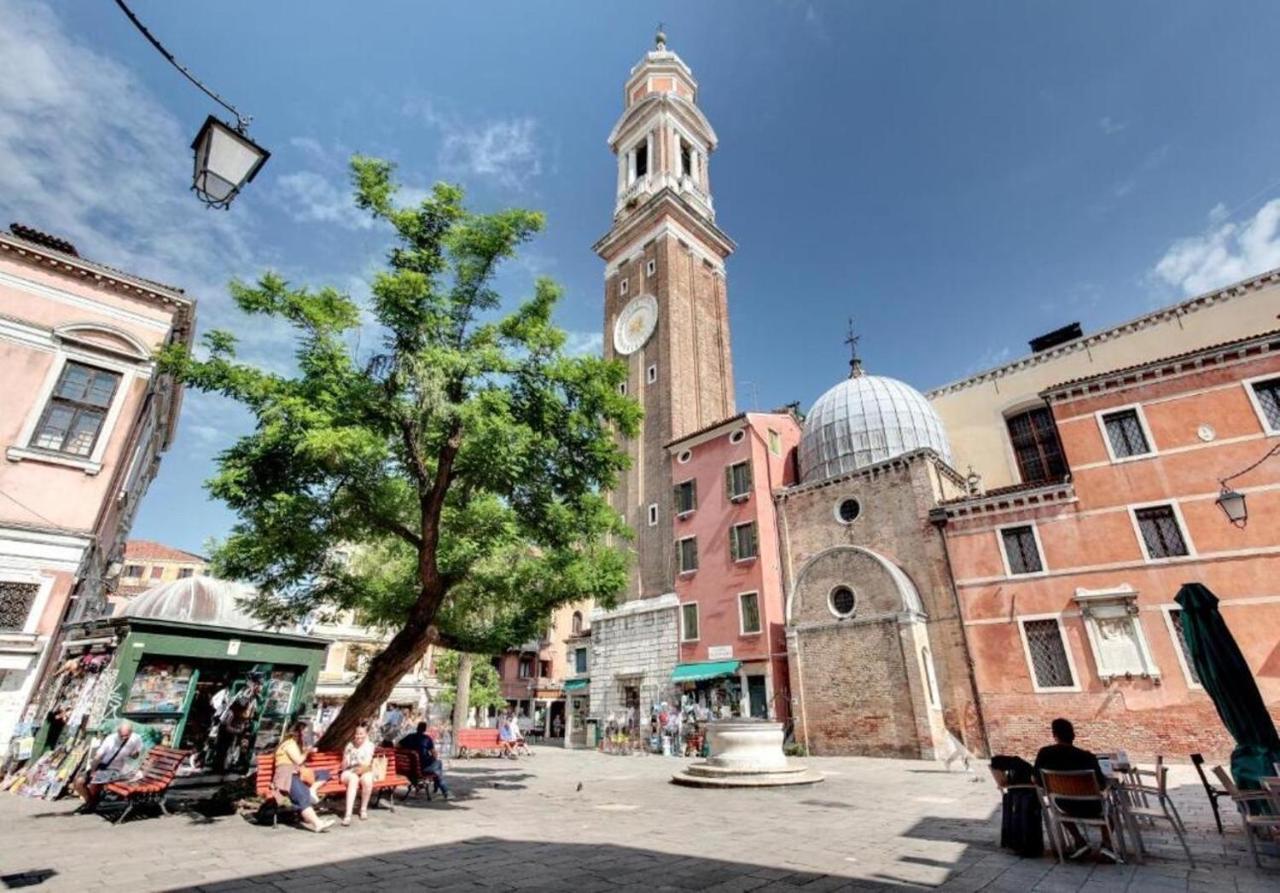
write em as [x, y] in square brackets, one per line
[76, 410]
[1179, 638]
[16, 600]
[688, 554]
[1268, 394]
[1124, 431]
[749, 604]
[686, 493]
[1034, 435]
[1160, 531]
[688, 622]
[1048, 652]
[737, 480]
[742, 541]
[1021, 550]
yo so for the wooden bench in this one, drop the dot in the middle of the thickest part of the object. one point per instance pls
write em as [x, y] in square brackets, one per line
[472, 742]
[407, 765]
[322, 760]
[159, 768]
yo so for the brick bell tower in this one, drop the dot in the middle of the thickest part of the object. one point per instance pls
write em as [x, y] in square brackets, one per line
[665, 305]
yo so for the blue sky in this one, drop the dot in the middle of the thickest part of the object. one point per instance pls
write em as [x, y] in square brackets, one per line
[960, 177]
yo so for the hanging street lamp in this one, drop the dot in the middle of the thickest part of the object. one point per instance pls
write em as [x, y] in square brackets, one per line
[1232, 502]
[225, 158]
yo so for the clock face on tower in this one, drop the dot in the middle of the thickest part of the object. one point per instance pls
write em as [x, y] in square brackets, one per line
[635, 324]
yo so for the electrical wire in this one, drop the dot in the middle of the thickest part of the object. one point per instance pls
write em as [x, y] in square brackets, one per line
[242, 121]
[1265, 456]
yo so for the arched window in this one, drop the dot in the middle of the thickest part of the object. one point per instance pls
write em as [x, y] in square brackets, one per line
[577, 623]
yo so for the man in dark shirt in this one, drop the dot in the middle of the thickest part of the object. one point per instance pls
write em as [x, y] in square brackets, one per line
[428, 762]
[1064, 756]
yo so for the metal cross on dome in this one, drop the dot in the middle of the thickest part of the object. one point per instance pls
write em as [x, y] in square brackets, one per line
[852, 339]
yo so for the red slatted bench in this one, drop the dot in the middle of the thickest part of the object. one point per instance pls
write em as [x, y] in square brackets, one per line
[159, 769]
[331, 761]
[470, 742]
[407, 765]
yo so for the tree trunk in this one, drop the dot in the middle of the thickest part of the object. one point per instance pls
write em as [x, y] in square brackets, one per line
[404, 650]
[462, 693]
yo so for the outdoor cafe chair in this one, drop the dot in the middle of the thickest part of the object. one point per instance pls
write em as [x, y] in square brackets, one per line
[1001, 778]
[1252, 823]
[1141, 798]
[1210, 791]
[1082, 787]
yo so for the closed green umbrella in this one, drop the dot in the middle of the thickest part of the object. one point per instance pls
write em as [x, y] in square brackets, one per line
[1227, 679]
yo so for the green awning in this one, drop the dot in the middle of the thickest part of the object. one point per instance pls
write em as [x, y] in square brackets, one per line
[576, 684]
[707, 669]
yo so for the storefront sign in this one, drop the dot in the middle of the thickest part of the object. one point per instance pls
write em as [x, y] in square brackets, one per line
[720, 652]
[233, 647]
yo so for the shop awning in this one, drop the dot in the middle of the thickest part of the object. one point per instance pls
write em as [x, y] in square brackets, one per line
[576, 684]
[707, 669]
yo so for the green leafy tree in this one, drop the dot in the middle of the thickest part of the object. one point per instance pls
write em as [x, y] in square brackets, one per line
[463, 459]
[485, 688]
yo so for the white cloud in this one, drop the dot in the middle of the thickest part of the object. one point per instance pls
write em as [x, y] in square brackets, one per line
[584, 344]
[505, 151]
[309, 197]
[1111, 126]
[1225, 253]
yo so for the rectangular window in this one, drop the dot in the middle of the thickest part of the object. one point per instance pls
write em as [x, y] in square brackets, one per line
[544, 669]
[653, 514]
[580, 660]
[689, 622]
[1124, 434]
[622, 388]
[185, 572]
[1034, 435]
[686, 493]
[1161, 533]
[775, 442]
[157, 572]
[16, 600]
[76, 410]
[650, 267]
[1267, 393]
[622, 286]
[651, 375]
[1021, 551]
[525, 668]
[642, 160]
[1180, 642]
[742, 541]
[686, 159]
[688, 554]
[1047, 652]
[133, 570]
[737, 481]
[749, 610]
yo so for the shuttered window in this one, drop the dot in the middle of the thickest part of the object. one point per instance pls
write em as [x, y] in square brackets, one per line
[1034, 436]
[688, 554]
[737, 480]
[749, 608]
[686, 497]
[742, 541]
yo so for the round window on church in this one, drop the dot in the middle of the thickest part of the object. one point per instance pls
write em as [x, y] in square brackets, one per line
[848, 510]
[737, 436]
[684, 456]
[842, 601]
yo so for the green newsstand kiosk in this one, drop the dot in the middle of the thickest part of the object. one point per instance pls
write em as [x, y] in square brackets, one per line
[186, 650]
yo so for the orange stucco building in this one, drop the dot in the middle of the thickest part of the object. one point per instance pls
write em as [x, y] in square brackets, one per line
[1067, 585]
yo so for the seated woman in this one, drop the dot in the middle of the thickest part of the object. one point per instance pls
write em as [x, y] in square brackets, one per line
[357, 771]
[288, 780]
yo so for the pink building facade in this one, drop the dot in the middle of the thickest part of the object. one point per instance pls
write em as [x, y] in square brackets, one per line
[728, 571]
[84, 417]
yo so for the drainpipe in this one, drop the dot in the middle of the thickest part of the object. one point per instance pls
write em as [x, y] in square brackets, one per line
[938, 518]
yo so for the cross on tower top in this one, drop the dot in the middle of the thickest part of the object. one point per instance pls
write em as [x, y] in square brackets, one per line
[855, 362]
[660, 39]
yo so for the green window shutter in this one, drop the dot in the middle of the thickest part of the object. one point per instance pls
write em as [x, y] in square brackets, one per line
[751, 534]
[693, 495]
[728, 482]
[733, 544]
[747, 475]
[675, 498]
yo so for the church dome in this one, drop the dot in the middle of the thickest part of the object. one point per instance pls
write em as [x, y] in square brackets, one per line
[207, 601]
[867, 419]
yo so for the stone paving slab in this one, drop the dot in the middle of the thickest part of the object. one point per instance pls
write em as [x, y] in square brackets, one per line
[588, 822]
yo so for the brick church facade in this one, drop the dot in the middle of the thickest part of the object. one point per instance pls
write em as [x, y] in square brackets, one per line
[834, 570]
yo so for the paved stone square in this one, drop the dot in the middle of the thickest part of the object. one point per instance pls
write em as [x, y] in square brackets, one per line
[587, 822]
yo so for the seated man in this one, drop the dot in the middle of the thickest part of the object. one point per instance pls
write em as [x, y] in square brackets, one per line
[429, 762]
[1064, 756]
[508, 734]
[108, 763]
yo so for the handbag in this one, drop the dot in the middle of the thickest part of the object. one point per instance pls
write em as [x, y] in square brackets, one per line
[307, 774]
[379, 768]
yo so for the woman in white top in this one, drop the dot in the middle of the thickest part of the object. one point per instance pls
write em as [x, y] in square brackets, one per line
[357, 771]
